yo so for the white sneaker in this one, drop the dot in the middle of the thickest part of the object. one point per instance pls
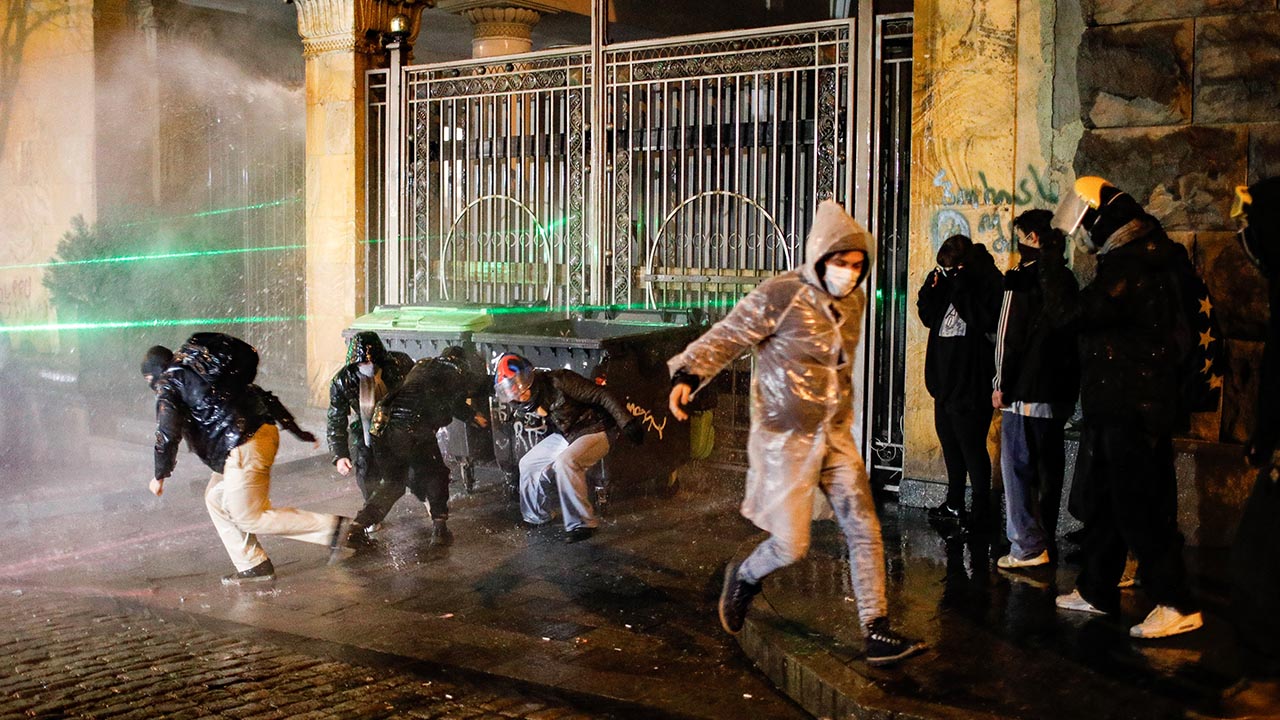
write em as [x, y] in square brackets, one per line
[1073, 601]
[1165, 621]
[1009, 561]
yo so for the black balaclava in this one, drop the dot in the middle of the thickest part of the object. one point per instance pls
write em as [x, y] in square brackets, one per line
[156, 361]
[1118, 209]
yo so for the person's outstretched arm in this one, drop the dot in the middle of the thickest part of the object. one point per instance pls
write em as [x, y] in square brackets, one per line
[281, 414]
[750, 322]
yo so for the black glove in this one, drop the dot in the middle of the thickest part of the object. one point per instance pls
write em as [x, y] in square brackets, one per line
[301, 434]
[683, 377]
[634, 431]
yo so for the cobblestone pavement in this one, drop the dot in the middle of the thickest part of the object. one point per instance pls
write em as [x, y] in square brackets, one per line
[69, 656]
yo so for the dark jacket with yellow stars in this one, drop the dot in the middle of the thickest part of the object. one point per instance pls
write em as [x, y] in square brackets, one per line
[1136, 338]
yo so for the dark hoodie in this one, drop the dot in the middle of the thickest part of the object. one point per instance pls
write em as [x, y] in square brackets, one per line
[959, 360]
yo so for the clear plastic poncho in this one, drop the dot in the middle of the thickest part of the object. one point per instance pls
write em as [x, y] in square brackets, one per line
[802, 389]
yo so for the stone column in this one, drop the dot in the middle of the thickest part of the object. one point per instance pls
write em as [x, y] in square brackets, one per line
[340, 40]
[501, 27]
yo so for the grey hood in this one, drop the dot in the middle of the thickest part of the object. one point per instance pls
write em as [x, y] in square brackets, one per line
[834, 231]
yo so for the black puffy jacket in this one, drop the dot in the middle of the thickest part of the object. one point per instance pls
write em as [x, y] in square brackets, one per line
[433, 393]
[213, 421]
[344, 400]
[575, 406]
[1133, 335]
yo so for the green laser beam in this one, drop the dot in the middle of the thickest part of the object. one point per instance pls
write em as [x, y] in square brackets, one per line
[209, 213]
[125, 324]
[153, 256]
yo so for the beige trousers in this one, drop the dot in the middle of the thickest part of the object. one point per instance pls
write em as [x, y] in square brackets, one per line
[240, 507]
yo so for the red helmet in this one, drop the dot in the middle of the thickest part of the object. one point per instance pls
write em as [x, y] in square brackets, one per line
[512, 376]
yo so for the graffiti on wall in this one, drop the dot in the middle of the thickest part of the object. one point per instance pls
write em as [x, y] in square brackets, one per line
[21, 301]
[982, 212]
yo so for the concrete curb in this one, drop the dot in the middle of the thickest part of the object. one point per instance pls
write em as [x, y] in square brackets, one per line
[826, 686]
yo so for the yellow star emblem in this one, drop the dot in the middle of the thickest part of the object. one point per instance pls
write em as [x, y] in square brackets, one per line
[1206, 338]
[1215, 381]
[1208, 365]
[1206, 305]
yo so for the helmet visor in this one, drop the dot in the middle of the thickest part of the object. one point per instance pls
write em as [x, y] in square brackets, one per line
[512, 388]
[1070, 213]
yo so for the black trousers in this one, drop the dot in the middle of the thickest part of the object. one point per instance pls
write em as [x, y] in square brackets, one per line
[409, 459]
[963, 436]
[1255, 577]
[368, 474]
[1129, 502]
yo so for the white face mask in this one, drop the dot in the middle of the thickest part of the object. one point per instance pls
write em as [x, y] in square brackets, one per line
[839, 281]
[365, 369]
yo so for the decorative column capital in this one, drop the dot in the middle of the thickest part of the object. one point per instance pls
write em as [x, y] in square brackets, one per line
[500, 27]
[352, 26]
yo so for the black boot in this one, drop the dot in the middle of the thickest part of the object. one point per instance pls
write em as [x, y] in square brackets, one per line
[440, 534]
[735, 598]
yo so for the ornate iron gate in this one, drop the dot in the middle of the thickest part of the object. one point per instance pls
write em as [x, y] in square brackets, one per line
[716, 150]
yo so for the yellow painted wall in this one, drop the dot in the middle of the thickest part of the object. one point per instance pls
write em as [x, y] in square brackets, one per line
[46, 143]
[982, 151]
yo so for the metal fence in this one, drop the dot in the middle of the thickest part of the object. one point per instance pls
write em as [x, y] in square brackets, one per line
[717, 150]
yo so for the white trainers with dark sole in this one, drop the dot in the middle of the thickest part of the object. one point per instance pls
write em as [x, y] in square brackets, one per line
[1073, 601]
[1165, 621]
[1009, 562]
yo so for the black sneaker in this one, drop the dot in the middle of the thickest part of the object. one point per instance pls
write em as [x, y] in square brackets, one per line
[579, 534]
[947, 511]
[735, 598]
[886, 647]
[440, 534]
[262, 572]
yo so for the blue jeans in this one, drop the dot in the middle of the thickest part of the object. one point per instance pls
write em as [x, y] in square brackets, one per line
[1032, 460]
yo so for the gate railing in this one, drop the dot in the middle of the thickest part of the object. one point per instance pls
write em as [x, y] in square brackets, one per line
[717, 148]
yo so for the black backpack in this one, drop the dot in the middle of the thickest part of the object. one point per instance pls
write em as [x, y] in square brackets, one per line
[225, 362]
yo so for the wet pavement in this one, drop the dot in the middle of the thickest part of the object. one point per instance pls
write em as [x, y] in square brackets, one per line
[998, 646]
[72, 656]
[626, 618]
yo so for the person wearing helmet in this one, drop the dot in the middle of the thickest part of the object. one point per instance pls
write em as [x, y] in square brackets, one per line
[804, 327]
[403, 429]
[578, 413]
[1255, 566]
[1133, 338]
[370, 373]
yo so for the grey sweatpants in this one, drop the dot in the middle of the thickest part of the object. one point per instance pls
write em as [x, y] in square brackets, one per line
[845, 483]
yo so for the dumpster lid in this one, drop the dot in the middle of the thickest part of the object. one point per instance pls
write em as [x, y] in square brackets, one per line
[431, 318]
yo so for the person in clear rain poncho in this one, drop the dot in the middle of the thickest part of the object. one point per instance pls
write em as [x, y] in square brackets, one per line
[804, 326]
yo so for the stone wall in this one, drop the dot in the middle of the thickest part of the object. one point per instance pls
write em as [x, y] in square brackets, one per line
[1174, 102]
[1180, 103]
